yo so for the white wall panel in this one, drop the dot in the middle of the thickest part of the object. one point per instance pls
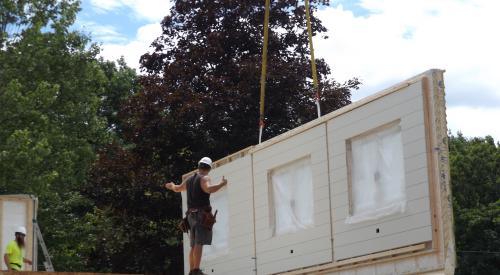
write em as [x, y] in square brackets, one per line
[14, 214]
[293, 250]
[405, 108]
[15, 211]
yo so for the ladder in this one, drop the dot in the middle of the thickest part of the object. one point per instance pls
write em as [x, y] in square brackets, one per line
[48, 263]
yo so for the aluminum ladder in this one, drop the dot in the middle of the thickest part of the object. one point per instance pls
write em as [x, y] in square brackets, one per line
[47, 263]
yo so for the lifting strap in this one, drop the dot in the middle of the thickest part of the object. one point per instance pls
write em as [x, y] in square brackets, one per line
[313, 61]
[263, 71]
[264, 65]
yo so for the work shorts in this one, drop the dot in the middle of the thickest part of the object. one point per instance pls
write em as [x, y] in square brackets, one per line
[198, 234]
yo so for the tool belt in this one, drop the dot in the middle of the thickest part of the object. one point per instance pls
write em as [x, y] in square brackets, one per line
[207, 218]
[184, 225]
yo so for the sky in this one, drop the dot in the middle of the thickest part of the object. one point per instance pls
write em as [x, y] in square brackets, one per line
[382, 42]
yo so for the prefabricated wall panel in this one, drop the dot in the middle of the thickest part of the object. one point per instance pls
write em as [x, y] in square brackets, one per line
[404, 109]
[402, 132]
[305, 247]
[15, 211]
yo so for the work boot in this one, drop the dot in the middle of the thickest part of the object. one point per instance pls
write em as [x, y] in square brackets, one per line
[196, 271]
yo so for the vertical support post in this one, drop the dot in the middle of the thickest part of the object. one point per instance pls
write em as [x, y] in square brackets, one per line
[254, 258]
[35, 237]
[1, 231]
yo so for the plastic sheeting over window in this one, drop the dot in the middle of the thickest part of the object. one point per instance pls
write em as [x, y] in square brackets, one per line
[377, 175]
[292, 197]
[220, 235]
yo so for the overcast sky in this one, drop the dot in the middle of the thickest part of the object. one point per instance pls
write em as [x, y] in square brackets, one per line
[380, 41]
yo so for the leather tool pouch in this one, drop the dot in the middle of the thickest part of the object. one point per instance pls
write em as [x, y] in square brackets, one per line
[209, 219]
[184, 225]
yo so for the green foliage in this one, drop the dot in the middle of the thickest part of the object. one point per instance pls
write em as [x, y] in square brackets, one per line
[18, 17]
[122, 83]
[136, 220]
[55, 105]
[475, 177]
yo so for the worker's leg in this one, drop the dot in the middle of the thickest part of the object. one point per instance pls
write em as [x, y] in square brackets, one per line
[191, 259]
[202, 236]
[192, 238]
[198, 250]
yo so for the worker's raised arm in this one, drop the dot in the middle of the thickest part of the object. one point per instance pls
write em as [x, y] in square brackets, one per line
[208, 188]
[176, 188]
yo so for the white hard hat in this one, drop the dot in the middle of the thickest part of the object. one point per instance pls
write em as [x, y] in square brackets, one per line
[21, 229]
[206, 160]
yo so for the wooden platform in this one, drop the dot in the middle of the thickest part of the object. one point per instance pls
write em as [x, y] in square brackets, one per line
[2, 272]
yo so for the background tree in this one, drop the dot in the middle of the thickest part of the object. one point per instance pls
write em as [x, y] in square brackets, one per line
[19, 15]
[475, 178]
[121, 84]
[55, 96]
[200, 97]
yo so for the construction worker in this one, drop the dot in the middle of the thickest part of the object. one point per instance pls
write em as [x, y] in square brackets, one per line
[199, 214]
[14, 254]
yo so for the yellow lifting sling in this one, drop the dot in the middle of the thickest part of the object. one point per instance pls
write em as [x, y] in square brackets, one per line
[264, 65]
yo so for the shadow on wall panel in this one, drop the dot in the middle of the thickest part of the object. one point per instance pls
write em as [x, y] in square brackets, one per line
[362, 189]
